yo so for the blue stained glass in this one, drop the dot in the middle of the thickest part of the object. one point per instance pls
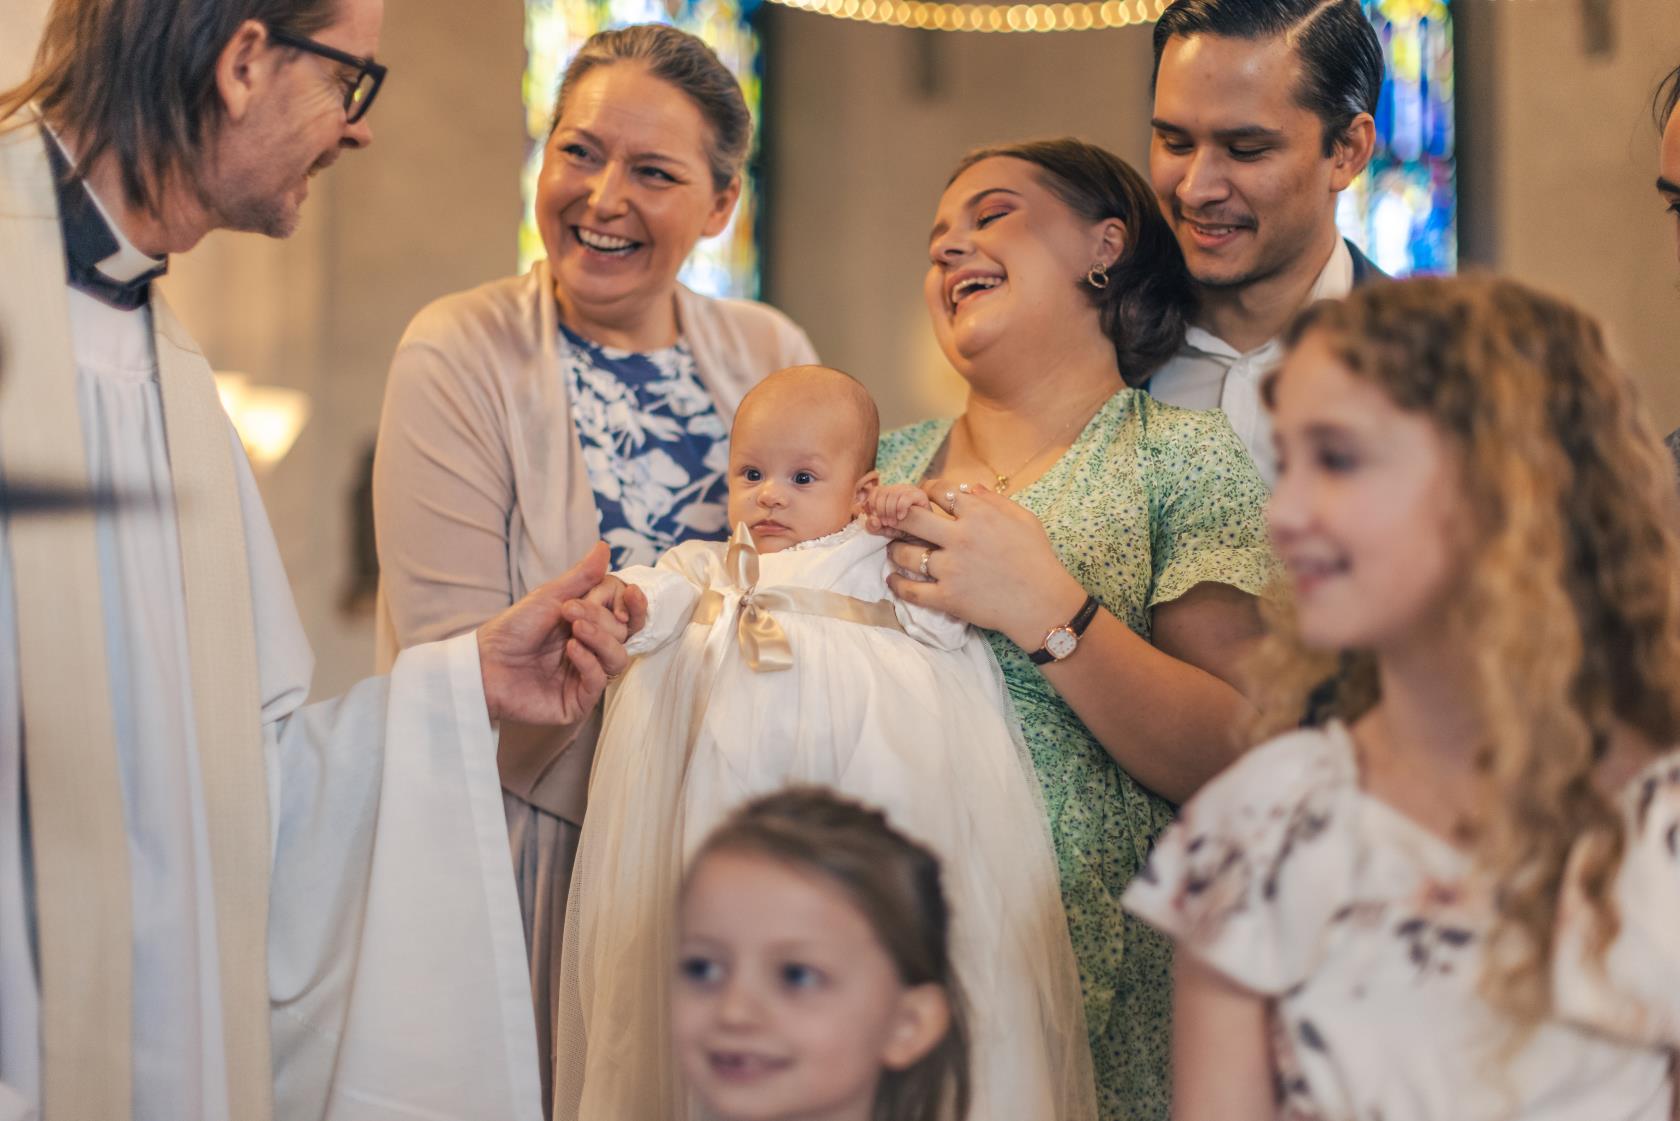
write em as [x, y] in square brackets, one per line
[1403, 212]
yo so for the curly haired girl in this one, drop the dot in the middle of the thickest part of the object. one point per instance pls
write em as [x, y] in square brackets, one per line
[1460, 897]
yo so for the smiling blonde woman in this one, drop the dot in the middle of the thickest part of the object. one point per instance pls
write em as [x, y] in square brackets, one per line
[588, 399]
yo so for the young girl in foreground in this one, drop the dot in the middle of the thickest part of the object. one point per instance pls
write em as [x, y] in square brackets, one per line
[814, 975]
[1463, 903]
[782, 658]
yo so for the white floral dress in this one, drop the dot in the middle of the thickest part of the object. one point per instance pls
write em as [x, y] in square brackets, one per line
[654, 444]
[1366, 931]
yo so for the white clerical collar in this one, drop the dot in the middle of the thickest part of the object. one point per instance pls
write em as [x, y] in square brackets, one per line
[1335, 280]
[127, 262]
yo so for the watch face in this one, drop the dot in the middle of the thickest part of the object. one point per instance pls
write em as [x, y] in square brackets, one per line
[1061, 642]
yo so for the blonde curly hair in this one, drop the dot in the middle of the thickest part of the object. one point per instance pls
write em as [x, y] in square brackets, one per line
[1570, 600]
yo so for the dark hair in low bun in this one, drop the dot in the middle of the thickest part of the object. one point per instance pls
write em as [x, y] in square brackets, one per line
[1149, 297]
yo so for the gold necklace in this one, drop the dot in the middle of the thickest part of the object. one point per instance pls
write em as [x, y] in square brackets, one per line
[1003, 477]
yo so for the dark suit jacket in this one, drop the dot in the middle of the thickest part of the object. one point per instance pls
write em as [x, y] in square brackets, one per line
[1365, 270]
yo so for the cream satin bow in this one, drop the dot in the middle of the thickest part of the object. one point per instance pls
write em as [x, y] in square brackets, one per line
[764, 644]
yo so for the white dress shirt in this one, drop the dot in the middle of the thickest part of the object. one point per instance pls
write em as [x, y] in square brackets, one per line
[1209, 373]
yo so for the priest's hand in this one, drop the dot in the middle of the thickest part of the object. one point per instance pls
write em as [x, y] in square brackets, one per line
[547, 659]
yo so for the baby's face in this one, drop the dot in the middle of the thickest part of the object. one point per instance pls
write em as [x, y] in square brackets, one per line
[793, 472]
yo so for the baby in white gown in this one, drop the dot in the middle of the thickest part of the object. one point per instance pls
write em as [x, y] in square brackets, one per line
[779, 658]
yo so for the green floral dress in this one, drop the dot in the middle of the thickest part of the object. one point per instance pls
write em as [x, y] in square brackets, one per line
[1150, 501]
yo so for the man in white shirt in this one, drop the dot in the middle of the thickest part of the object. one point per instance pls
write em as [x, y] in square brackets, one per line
[215, 901]
[1262, 116]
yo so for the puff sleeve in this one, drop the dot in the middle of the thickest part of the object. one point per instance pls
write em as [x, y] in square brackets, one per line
[1251, 877]
[673, 587]
[1207, 506]
[930, 627]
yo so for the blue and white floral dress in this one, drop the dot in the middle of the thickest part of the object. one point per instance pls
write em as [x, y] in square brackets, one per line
[655, 446]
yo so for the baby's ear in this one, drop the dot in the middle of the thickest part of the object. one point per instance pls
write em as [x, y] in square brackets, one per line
[869, 482]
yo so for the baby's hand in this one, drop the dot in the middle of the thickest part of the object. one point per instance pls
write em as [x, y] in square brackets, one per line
[890, 505]
[627, 603]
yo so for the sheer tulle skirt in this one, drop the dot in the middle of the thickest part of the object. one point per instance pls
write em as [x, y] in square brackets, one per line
[921, 733]
[544, 848]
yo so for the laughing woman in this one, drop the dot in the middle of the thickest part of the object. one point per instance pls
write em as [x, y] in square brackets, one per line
[1111, 546]
[590, 398]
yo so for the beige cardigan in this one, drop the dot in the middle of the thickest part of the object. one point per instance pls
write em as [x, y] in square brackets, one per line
[479, 486]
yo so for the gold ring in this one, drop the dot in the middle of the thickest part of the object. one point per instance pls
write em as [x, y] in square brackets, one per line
[927, 555]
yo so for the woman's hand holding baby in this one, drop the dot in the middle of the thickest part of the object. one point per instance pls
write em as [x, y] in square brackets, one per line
[991, 564]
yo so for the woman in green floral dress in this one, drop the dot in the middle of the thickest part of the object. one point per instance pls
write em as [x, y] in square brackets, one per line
[1054, 283]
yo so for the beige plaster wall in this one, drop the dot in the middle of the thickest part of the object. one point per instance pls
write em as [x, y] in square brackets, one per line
[1574, 155]
[20, 30]
[867, 124]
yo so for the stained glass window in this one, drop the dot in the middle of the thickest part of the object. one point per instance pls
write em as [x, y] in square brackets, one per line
[1403, 212]
[725, 265]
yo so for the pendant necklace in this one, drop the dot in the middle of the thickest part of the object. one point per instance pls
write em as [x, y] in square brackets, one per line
[1003, 477]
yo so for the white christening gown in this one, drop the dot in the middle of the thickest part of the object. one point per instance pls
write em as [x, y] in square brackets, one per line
[896, 706]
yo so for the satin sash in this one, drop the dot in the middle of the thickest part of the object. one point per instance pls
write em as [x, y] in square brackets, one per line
[763, 643]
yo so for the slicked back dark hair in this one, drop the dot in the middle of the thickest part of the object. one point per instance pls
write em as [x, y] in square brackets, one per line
[1668, 96]
[137, 79]
[1147, 302]
[1341, 58]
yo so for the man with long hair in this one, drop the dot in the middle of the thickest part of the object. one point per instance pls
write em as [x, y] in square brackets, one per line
[216, 902]
[1263, 115]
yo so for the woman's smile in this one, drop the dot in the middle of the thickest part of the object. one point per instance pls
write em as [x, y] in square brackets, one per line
[611, 246]
[967, 285]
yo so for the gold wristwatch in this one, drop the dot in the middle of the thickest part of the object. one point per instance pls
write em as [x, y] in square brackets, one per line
[1062, 641]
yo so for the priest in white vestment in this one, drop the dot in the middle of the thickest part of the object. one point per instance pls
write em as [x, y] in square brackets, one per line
[215, 901]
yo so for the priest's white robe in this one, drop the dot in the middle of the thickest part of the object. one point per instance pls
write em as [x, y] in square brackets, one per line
[396, 963]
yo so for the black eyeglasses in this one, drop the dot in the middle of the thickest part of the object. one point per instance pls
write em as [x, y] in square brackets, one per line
[370, 75]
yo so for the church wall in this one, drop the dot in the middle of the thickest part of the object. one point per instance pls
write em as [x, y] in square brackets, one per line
[20, 30]
[1574, 149]
[866, 126]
